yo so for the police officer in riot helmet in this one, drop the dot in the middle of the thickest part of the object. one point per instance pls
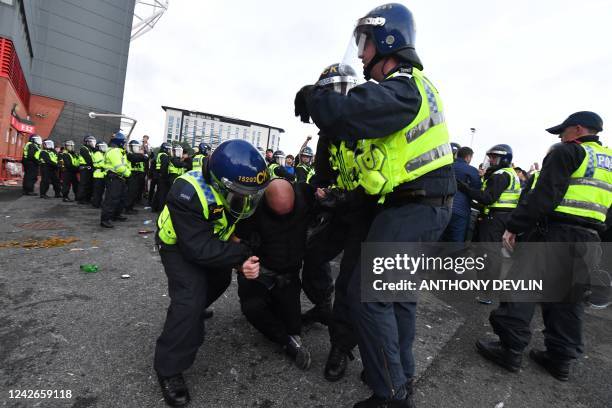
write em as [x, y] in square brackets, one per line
[86, 170]
[304, 169]
[399, 115]
[199, 251]
[499, 195]
[49, 167]
[277, 166]
[136, 181]
[162, 166]
[31, 154]
[337, 189]
[118, 171]
[198, 161]
[70, 168]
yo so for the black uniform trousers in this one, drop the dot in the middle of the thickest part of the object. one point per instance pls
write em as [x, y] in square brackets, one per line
[99, 185]
[69, 178]
[49, 177]
[30, 168]
[114, 198]
[275, 312]
[570, 262]
[153, 184]
[192, 288]
[162, 191]
[135, 185]
[345, 233]
[85, 183]
[490, 231]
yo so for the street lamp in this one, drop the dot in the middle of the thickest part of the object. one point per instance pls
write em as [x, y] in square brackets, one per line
[473, 131]
[94, 115]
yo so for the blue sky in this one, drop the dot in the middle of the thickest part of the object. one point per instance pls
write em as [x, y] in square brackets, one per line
[508, 69]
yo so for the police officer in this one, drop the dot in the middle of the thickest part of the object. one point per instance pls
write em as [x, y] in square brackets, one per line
[304, 170]
[136, 159]
[337, 181]
[117, 173]
[170, 167]
[70, 168]
[49, 166]
[568, 206]
[86, 170]
[99, 174]
[31, 155]
[277, 166]
[198, 162]
[401, 115]
[194, 231]
[499, 195]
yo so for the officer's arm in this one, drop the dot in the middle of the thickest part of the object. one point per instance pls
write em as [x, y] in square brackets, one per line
[164, 162]
[87, 157]
[496, 185]
[300, 175]
[195, 237]
[368, 111]
[31, 151]
[550, 189]
[280, 171]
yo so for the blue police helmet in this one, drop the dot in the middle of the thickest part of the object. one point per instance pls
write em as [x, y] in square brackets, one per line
[504, 152]
[204, 148]
[239, 173]
[118, 139]
[391, 27]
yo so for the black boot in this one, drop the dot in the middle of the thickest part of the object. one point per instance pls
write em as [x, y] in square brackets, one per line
[106, 224]
[337, 360]
[378, 402]
[296, 350]
[45, 196]
[174, 390]
[501, 355]
[67, 200]
[319, 313]
[131, 211]
[558, 368]
[119, 218]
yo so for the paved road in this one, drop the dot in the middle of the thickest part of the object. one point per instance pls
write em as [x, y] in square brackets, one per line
[94, 334]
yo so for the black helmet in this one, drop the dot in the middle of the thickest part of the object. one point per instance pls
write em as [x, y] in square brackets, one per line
[134, 146]
[339, 77]
[455, 148]
[504, 152]
[36, 139]
[279, 157]
[165, 147]
[391, 28]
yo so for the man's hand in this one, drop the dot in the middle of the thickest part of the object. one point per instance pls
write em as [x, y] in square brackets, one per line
[301, 107]
[509, 240]
[308, 138]
[250, 268]
[320, 194]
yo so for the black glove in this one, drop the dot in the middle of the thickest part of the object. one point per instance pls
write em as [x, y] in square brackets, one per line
[301, 107]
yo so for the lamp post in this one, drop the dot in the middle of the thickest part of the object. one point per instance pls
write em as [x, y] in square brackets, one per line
[473, 132]
[94, 115]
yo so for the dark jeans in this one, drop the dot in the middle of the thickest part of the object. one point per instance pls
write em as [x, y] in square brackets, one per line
[387, 330]
[99, 185]
[274, 312]
[85, 184]
[135, 188]
[192, 288]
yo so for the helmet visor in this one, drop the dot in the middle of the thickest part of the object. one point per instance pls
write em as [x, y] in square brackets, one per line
[280, 160]
[177, 151]
[37, 140]
[103, 147]
[353, 54]
[69, 147]
[136, 148]
[91, 142]
[48, 144]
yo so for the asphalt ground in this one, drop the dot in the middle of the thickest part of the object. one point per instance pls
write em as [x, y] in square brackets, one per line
[94, 333]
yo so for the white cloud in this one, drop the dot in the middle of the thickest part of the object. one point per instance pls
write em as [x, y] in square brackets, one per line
[509, 69]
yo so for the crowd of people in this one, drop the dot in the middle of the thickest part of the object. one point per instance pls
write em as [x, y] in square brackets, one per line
[384, 170]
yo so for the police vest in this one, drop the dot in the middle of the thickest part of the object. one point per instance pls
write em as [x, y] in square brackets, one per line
[197, 161]
[342, 160]
[210, 200]
[272, 168]
[52, 157]
[158, 160]
[308, 169]
[509, 198]
[98, 163]
[82, 161]
[116, 162]
[138, 166]
[74, 159]
[26, 148]
[534, 180]
[411, 152]
[172, 169]
[589, 194]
